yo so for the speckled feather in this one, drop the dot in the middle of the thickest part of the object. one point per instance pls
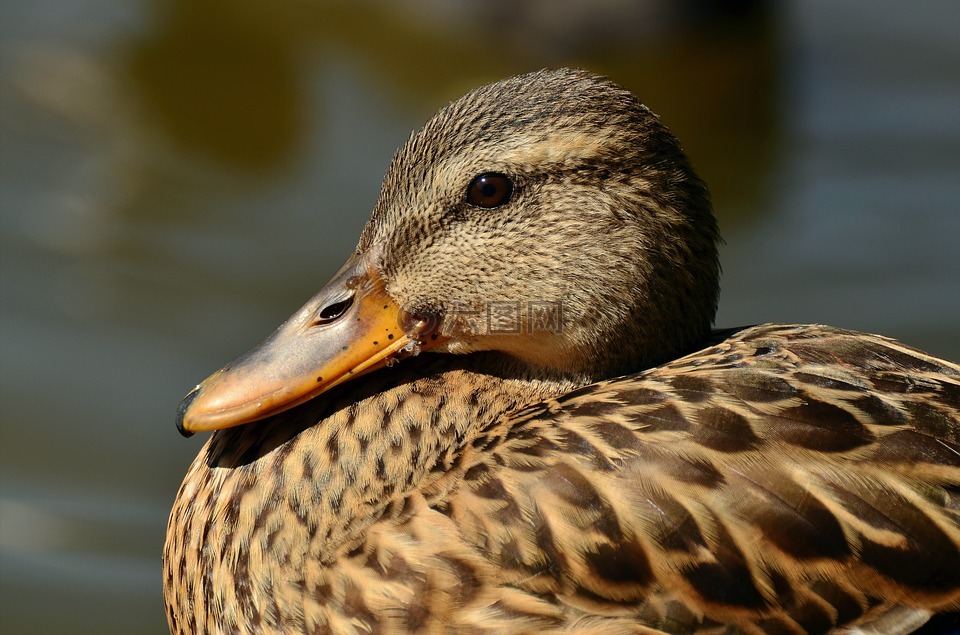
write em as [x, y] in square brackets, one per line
[788, 479]
[780, 479]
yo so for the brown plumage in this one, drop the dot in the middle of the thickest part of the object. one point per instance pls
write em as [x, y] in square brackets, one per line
[573, 450]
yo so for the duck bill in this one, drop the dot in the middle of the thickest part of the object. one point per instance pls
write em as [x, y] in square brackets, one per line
[351, 327]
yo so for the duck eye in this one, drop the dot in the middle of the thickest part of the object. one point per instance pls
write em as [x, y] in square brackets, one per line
[489, 190]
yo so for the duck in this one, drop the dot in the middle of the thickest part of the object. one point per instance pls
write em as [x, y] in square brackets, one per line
[510, 412]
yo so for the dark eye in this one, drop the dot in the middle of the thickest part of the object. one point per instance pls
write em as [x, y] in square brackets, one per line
[489, 190]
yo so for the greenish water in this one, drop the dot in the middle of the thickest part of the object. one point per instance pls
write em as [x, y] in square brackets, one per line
[177, 177]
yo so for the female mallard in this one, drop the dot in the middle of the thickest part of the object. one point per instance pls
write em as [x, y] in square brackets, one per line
[577, 452]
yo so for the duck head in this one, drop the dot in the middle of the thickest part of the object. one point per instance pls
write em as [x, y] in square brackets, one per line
[550, 217]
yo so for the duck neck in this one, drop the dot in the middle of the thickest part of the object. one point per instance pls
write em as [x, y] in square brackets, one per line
[343, 462]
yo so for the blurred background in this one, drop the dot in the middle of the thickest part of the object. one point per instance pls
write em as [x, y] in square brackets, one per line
[179, 175]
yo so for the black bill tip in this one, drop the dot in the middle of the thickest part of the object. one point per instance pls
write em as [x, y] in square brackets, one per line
[182, 410]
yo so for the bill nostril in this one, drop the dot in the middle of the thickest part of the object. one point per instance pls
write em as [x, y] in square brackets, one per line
[333, 311]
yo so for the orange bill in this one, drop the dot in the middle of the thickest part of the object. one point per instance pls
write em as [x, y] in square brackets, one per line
[351, 327]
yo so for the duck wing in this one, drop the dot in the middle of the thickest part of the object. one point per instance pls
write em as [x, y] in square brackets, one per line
[786, 479]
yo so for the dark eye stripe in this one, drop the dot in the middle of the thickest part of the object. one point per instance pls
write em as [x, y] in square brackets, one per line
[489, 190]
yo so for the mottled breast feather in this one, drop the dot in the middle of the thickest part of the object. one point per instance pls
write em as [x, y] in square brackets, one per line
[787, 479]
